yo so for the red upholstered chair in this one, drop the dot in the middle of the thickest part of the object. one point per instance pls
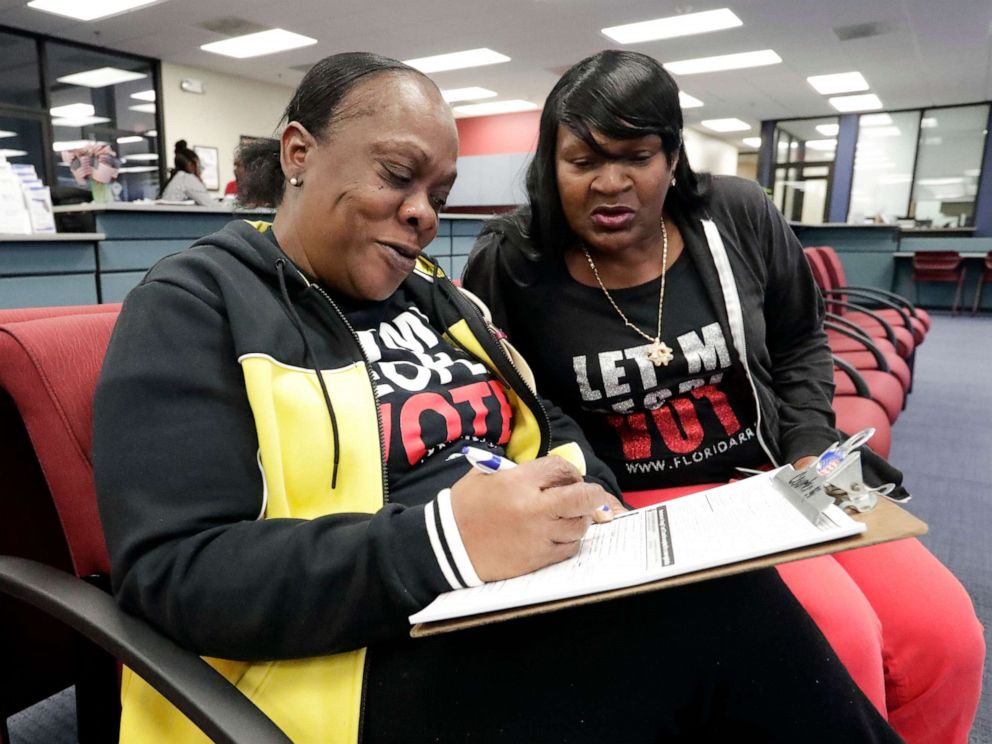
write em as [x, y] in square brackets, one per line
[881, 387]
[899, 335]
[48, 370]
[892, 307]
[985, 277]
[940, 266]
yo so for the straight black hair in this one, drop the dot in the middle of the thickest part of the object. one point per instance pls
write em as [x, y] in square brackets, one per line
[622, 95]
[316, 105]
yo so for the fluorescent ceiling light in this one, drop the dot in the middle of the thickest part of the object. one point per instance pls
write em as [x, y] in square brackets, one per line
[71, 145]
[452, 95]
[841, 82]
[687, 101]
[874, 120]
[726, 125]
[4, 133]
[144, 95]
[754, 142]
[151, 133]
[495, 107]
[72, 110]
[723, 62]
[89, 10]
[679, 25]
[927, 122]
[12, 153]
[457, 60]
[257, 44]
[821, 144]
[856, 103]
[130, 139]
[828, 130]
[138, 169]
[142, 156]
[143, 108]
[101, 77]
[79, 121]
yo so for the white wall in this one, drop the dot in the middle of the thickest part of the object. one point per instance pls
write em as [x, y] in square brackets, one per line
[710, 155]
[229, 107]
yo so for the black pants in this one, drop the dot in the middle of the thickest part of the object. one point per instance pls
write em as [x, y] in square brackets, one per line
[731, 660]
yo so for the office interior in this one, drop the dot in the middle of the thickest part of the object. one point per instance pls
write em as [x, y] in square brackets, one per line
[866, 124]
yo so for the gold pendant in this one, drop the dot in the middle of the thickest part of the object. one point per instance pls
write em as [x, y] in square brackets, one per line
[660, 353]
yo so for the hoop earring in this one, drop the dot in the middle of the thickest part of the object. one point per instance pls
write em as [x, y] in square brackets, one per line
[294, 181]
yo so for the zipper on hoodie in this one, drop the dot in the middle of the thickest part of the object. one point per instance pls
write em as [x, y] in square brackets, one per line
[375, 396]
[516, 381]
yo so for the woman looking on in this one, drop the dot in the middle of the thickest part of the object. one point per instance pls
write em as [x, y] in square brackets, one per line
[685, 337]
[273, 438]
[184, 181]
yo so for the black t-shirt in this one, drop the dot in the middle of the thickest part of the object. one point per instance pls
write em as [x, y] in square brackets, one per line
[433, 398]
[692, 421]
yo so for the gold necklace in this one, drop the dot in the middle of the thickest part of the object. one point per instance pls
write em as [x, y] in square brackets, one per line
[659, 352]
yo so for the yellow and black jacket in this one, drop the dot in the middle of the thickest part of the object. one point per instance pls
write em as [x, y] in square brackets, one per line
[246, 514]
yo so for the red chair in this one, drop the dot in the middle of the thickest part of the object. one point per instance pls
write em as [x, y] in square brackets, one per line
[881, 387]
[48, 369]
[892, 307]
[899, 335]
[985, 277]
[939, 266]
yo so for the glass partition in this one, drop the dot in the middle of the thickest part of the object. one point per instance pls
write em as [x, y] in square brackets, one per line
[883, 167]
[98, 96]
[804, 155]
[948, 165]
[20, 73]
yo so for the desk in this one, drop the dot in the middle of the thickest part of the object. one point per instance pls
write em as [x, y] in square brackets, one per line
[876, 256]
[114, 245]
[48, 269]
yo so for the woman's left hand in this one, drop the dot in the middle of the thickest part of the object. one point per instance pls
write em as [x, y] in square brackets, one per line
[804, 462]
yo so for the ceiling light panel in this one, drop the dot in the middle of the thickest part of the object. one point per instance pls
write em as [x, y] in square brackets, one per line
[821, 144]
[841, 82]
[143, 108]
[723, 62]
[101, 77]
[687, 24]
[7, 153]
[4, 134]
[258, 44]
[754, 142]
[144, 95]
[454, 95]
[90, 10]
[828, 130]
[687, 101]
[457, 60]
[874, 120]
[79, 121]
[864, 102]
[495, 107]
[726, 125]
[130, 139]
[72, 110]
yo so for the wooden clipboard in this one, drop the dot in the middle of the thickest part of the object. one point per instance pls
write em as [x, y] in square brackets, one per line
[886, 522]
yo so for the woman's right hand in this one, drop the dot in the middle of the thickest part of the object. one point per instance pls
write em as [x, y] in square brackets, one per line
[519, 520]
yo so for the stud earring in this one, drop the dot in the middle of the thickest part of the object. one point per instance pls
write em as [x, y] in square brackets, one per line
[673, 182]
[294, 181]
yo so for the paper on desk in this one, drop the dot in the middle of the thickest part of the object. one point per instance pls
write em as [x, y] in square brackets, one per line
[741, 520]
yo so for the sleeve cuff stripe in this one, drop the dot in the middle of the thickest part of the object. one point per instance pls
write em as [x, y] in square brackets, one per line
[439, 552]
[453, 540]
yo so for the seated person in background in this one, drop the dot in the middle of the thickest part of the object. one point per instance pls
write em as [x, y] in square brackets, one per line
[273, 437]
[685, 337]
[184, 181]
[231, 190]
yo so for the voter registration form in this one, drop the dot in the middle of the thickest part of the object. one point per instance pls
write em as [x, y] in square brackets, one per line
[741, 520]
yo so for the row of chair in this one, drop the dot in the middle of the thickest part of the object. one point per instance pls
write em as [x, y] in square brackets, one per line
[59, 626]
[874, 335]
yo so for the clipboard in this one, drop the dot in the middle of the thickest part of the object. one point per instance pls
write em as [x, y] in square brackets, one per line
[885, 523]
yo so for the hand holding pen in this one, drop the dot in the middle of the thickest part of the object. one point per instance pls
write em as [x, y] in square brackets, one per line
[514, 519]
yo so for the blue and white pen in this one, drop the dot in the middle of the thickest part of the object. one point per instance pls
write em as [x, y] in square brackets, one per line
[490, 462]
[487, 462]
